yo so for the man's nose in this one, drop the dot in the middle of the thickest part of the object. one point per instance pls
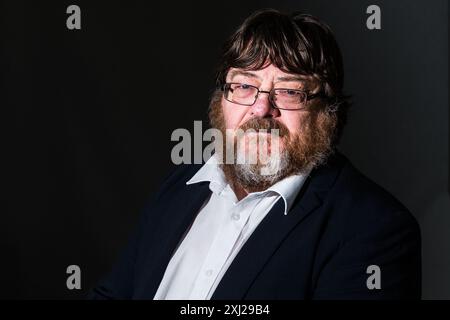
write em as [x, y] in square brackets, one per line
[263, 106]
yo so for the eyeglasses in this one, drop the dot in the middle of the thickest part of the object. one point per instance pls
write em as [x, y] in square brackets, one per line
[280, 98]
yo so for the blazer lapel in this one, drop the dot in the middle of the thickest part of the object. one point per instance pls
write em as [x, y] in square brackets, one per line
[273, 229]
[178, 214]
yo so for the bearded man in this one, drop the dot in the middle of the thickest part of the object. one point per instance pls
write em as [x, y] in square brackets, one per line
[311, 226]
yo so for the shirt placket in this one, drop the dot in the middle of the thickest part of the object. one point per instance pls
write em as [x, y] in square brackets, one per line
[221, 249]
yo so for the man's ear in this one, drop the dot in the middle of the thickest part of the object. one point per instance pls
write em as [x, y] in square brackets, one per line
[333, 105]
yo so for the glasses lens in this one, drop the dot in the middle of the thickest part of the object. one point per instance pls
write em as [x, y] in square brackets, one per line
[240, 93]
[289, 98]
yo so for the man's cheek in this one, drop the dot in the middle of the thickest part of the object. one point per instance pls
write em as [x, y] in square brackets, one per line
[233, 123]
[228, 118]
[234, 119]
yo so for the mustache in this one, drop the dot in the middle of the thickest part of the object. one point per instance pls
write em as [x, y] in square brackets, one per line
[267, 124]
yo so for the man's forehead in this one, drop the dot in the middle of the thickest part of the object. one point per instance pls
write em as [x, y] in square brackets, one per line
[275, 73]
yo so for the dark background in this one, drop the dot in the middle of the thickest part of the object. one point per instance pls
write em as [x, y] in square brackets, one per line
[88, 114]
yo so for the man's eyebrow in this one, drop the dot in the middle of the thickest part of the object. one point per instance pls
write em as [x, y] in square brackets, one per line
[292, 78]
[295, 78]
[235, 73]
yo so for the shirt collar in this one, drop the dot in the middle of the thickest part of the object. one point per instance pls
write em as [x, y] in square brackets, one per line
[288, 188]
[210, 172]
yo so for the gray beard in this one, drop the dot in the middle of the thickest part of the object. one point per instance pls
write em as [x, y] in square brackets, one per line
[251, 175]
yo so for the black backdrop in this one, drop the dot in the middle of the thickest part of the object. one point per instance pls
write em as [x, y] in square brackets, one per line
[88, 115]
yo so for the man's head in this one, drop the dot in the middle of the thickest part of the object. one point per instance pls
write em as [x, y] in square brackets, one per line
[280, 72]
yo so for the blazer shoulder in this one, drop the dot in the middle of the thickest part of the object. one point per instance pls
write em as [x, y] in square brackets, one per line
[176, 179]
[182, 173]
[364, 204]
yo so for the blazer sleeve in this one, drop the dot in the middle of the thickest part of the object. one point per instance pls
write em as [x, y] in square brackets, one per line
[119, 282]
[392, 244]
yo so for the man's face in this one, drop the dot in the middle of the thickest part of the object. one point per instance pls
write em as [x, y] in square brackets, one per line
[270, 77]
[304, 135]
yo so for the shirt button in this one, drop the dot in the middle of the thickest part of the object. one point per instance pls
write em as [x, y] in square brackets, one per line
[235, 216]
[209, 272]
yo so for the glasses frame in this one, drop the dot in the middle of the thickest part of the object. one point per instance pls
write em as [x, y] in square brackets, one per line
[227, 86]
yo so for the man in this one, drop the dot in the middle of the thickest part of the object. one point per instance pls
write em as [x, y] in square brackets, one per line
[312, 227]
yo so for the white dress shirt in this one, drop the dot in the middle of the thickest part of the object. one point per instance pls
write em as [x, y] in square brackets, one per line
[219, 231]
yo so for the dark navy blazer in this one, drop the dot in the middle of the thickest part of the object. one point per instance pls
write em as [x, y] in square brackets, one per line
[339, 225]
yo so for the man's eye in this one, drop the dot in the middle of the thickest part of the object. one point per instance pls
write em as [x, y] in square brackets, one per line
[292, 92]
[244, 86]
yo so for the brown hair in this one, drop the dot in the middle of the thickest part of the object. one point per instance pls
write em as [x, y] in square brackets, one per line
[295, 43]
